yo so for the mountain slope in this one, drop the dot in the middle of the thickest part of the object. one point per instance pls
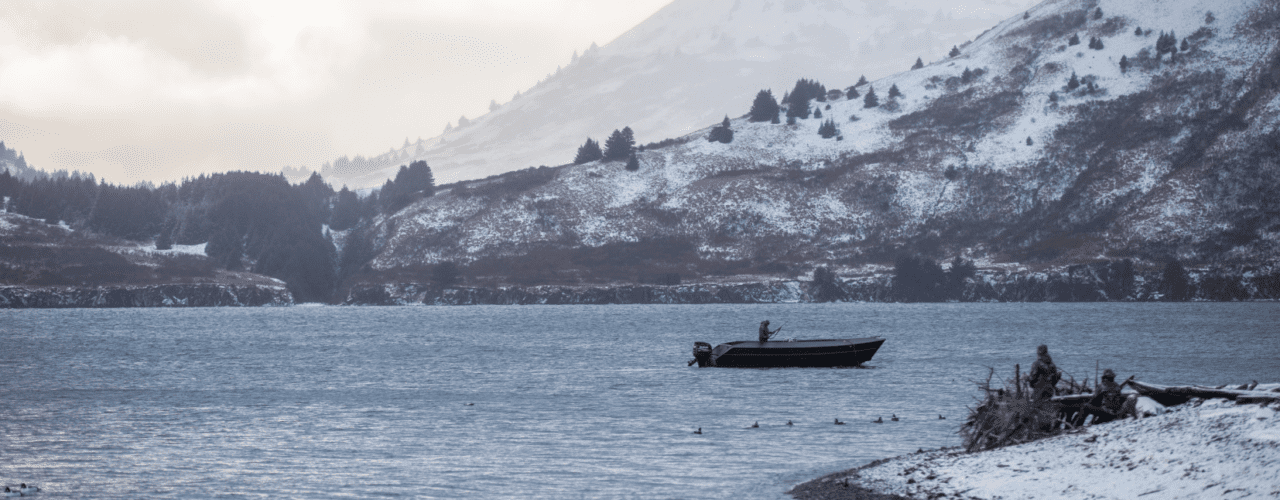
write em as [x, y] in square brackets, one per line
[1164, 160]
[689, 64]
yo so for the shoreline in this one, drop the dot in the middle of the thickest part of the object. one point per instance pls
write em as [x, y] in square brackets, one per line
[1195, 450]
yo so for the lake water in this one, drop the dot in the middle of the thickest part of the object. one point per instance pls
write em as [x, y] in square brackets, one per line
[537, 401]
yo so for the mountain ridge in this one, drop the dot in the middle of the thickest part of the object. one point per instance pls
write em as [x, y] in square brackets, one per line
[1136, 163]
[686, 65]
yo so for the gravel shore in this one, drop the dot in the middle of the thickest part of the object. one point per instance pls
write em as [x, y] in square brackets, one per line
[1214, 449]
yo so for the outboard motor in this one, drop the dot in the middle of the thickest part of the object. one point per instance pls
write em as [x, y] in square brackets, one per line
[702, 354]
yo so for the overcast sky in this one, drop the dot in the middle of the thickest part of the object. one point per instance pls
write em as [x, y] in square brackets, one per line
[161, 89]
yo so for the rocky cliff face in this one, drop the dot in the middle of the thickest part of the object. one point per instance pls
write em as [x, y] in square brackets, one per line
[993, 154]
[48, 265]
[1092, 283]
[178, 295]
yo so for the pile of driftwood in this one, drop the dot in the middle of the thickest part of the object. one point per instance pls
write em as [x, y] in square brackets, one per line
[1010, 414]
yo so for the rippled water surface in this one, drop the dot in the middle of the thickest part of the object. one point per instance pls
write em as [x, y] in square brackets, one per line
[538, 401]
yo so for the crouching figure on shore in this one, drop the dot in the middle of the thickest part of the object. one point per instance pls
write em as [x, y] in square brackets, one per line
[1108, 404]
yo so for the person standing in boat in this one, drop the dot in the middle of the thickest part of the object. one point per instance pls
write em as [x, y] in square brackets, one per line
[764, 331]
[1044, 374]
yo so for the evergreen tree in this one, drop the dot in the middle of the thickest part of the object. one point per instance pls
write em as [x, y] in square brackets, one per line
[1073, 83]
[966, 76]
[817, 113]
[619, 145]
[852, 93]
[862, 80]
[1119, 283]
[346, 210]
[445, 274]
[797, 108]
[630, 137]
[1124, 64]
[226, 247]
[919, 64]
[165, 241]
[828, 129]
[1137, 31]
[894, 93]
[412, 183]
[1029, 141]
[1053, 97]
[1185, 46]
[955, 51]
[370, 205]
[961, 270]
[1166, 42]
[1175, 283]
[387, 196]
[799, 97]
[633, 163]
[1074, 40]
[917, 279]
[870, 100]
[775, 120]
[1026, 15]
[826, 286]
[764, 108]
[317, 194]
[588, 152]
[791, 120]
[1097, 14]
[720, 133]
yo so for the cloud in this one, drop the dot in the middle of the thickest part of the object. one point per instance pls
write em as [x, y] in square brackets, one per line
[156, 89]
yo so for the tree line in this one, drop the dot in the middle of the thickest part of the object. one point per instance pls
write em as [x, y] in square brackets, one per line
[248, 220]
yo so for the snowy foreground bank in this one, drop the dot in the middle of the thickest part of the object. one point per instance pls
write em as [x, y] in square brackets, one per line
[1217, 449]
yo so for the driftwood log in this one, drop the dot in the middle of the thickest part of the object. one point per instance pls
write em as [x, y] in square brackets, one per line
[1178, 394]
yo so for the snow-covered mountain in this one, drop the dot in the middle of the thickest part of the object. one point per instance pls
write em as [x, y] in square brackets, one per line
[687, 66]
[1169, 156]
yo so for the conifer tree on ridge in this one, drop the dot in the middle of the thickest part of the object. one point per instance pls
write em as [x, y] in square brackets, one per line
[621, 144]
[764, 108]
[588, 152]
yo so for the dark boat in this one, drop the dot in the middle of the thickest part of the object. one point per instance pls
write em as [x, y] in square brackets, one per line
[785, 353]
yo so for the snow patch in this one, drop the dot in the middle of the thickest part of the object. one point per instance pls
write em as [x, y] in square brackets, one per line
[176, 250]
[1188, 452]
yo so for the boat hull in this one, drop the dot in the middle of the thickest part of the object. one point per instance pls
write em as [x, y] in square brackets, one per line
[797, 353]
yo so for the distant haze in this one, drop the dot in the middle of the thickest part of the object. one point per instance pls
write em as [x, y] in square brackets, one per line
[158, 90]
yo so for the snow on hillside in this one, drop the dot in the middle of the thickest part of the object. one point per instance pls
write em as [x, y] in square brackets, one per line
[687, 66]
[1148, 161]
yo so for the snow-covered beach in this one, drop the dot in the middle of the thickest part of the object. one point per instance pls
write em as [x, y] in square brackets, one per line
[1213, 449]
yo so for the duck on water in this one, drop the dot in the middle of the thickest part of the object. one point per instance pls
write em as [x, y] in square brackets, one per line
[765, 353]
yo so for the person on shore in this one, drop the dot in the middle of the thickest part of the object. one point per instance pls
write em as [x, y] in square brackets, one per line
[1044, 375]
[1108, 404]
[764, 331]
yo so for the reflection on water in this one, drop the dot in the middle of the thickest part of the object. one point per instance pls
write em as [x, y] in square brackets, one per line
[541, 401]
